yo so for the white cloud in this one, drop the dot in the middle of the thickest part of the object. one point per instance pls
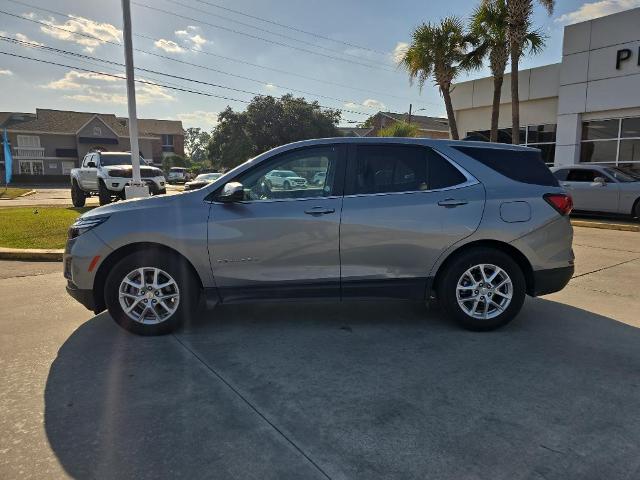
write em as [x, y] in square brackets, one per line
[270, 87]
[168, 46]
[199, 118]
[369, 103]
[5, 73]
[99, 88]
[103, 32]
[191, 37]
[23, 38]
[399, 51]
[588, 11]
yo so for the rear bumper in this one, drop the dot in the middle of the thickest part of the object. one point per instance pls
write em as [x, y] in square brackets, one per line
[85, 297]
[551, 280]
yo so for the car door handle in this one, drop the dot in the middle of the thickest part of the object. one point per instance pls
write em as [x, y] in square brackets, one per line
[566, 185]
[452, 202]
[319, 211]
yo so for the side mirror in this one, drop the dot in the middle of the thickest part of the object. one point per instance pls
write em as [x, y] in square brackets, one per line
[600, 181]
[232, 192]
[91, 165]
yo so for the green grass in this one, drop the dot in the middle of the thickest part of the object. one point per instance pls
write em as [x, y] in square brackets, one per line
[12, 192]
[36, 227]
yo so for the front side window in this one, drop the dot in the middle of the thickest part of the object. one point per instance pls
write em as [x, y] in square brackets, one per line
[291, 174]
[582, 175]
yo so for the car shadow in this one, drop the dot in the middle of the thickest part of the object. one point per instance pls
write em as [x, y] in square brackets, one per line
[357, 390]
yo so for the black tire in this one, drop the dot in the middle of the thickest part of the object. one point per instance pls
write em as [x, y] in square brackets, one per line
[78, 197]
[447, 288]
[636, 209]
[104, 195]
[173, 265]
[163, 191]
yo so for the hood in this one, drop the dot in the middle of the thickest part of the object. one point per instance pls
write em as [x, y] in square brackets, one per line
[134, 204]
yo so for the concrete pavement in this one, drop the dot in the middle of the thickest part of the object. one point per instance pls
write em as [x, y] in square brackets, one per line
[326, 390]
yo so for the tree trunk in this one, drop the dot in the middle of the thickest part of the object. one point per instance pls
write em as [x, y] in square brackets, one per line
[495, 107]
[453, 126]
[515, 97]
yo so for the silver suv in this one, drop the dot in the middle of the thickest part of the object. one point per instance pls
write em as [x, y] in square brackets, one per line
[474, 225]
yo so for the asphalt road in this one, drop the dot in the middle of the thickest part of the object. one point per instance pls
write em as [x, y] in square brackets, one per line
[328, 390]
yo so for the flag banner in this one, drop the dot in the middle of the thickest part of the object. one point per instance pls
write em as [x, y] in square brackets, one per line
[8, 160]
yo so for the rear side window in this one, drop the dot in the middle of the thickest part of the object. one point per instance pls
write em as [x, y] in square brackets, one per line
[561, 175]
[519, 165]
[402, 168]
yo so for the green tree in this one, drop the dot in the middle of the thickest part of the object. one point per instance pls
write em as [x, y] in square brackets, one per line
[195, 144]
[488, 29]
[399, 129]
[173, 161]
[438, 51]
[267, 123]
[519, 13]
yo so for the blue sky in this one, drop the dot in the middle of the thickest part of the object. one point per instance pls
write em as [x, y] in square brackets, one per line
[364, 81]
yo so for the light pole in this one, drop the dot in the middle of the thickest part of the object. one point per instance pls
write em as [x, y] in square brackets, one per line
[137, 189]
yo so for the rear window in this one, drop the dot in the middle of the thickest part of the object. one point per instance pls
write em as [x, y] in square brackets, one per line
[524, 166]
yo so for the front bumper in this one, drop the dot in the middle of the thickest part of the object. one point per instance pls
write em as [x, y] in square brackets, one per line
[155, 184]
[551, 280]
[85, 297]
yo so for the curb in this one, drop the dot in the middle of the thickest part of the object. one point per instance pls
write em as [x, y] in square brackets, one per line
[32, 255]
[606, 226]
[30, 192]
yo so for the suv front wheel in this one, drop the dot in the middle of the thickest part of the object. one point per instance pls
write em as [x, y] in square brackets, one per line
[151, 293]
[104, 195]
[482, 289]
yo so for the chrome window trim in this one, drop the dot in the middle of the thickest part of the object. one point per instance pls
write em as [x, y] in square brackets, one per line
[276, 200]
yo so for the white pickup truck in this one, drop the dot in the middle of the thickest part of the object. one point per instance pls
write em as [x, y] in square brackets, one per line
[107, 173]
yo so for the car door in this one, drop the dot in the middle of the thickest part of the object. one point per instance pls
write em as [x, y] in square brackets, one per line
[589, 195]
[92, 173]
[403, 206]
[281, 243]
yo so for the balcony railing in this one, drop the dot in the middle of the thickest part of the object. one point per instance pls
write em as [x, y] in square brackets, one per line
[28, 152]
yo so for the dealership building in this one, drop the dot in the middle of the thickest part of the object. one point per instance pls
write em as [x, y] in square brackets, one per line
[585, 109]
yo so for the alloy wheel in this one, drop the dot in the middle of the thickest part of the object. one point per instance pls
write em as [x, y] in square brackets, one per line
[148, 295]
[484, 291]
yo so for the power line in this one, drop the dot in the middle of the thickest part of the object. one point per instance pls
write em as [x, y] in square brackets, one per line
[296, 29]
[204, 52]
[271, 32]
[146, 70]
[274, 42]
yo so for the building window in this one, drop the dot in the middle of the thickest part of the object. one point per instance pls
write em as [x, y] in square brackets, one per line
[167, 143]
[31, 167]
[67, 166]
[613, 141]
[542, 137]
[31, 141]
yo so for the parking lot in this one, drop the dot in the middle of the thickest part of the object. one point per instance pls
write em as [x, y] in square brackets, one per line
[325, 390]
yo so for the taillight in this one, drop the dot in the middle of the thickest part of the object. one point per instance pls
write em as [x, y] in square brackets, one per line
[561, 202]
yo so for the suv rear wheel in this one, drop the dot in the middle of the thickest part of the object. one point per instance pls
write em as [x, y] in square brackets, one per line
[104, 195]
[482, 289]
[151, 293]
[78, 197]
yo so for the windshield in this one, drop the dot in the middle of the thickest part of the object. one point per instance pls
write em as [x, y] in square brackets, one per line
[177, 170]
[288, 173]
[122, 159]
[622, 175]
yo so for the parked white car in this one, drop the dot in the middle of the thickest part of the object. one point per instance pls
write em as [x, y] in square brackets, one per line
[601, 188]
[105, 174]
[284, 179]
[177, 175]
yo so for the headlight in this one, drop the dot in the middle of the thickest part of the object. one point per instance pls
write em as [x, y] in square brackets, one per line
[83, 225]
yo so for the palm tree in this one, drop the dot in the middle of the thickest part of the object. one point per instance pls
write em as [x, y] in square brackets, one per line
[437, 51]
[488, 30]
[399, 129]
[519, 19]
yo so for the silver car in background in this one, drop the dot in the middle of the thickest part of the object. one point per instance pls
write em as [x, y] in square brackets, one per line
[476, 226]
[601, 188]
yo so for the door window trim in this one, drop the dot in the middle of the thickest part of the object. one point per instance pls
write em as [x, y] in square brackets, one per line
[350, 173]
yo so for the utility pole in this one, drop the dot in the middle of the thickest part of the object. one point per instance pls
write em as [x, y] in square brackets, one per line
[410, 106]
[137, 189]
